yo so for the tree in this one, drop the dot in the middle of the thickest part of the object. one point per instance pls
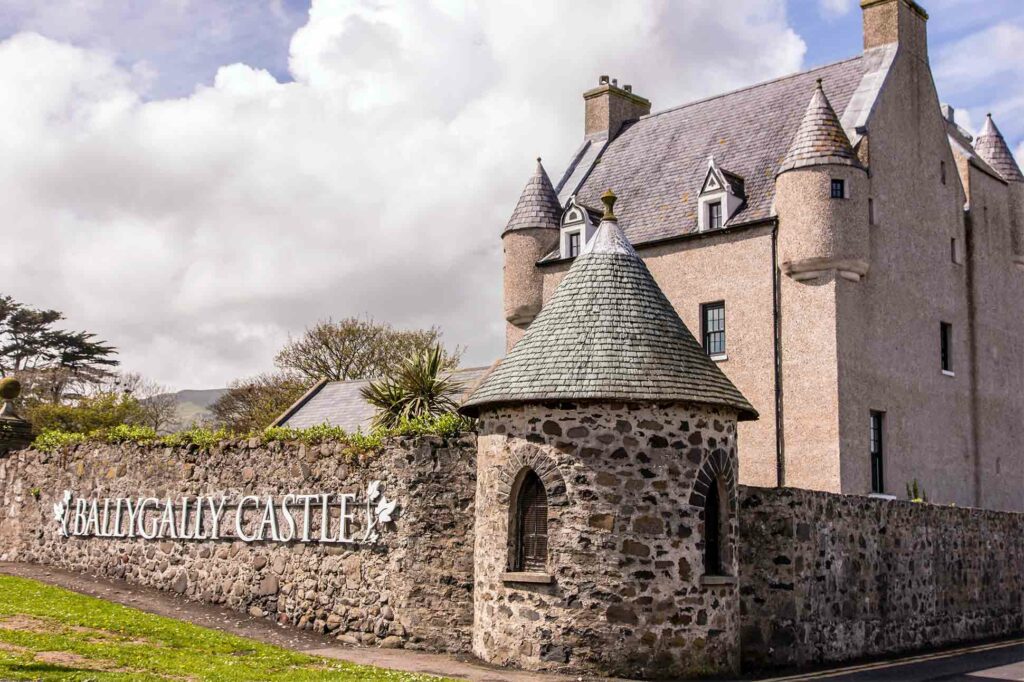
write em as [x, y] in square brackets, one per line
[356, 348]
[51, 362]
[252, 404]
[159, 407]
[422, 386]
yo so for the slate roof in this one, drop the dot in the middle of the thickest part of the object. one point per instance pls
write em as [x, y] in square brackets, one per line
[992, 147]
[608, 333]
[339, 403]
[820, 139]
[657, 165]
[538, 205]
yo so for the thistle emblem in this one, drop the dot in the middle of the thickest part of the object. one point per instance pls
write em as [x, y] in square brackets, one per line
[60, 512]
[378, 510]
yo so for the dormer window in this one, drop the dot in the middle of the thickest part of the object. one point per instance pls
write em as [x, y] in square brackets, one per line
[714, 215]
[721, 196]
[578, 226]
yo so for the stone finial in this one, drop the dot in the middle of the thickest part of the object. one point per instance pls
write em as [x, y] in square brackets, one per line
[10, 389]
[608, 199]
[15, 432]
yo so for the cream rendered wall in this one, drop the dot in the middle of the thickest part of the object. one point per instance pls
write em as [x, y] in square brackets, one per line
[888, 325]
[998, 303]
[735, 267]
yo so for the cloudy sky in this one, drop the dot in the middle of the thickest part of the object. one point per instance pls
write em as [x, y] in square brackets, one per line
[197, 180]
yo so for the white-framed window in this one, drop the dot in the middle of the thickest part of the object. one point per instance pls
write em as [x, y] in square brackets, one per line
[573, 245]
[714, 215]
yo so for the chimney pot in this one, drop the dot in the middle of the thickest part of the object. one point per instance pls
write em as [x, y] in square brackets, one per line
[615, 82]
[627, 88]
[603, 80]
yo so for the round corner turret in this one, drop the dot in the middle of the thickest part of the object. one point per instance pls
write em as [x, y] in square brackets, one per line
[531, 233]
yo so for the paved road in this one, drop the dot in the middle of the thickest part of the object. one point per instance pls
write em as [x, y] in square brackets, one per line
[986, 663]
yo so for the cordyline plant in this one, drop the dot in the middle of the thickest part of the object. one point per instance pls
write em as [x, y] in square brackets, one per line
[421, 387]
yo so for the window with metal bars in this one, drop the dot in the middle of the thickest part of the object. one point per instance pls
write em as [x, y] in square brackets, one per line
[713, 327]
[532, 525]
[714, 215]
[713, 531]
[877, 477]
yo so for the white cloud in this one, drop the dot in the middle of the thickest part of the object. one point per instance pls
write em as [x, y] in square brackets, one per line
[832, 9]
[196, 233]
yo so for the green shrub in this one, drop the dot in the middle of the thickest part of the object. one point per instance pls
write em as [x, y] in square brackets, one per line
[198, 436]
[51, 440]
[105, 411]
[445, 425]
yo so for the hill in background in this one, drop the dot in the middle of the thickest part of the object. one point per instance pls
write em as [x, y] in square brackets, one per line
[194, 405]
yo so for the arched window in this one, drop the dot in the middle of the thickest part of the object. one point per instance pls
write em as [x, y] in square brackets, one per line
[714, 531]
[531, 525]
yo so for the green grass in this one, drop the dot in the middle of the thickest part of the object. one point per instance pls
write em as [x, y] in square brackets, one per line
[47, 633]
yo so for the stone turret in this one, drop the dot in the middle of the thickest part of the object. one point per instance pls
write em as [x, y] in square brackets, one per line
[991, 146]
[821, 199]
[606, 484]
[15, 432]
[531, 233]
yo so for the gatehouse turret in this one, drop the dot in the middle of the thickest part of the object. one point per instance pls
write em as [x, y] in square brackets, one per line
[605, 535]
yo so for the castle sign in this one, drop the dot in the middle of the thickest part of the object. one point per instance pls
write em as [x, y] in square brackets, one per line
[321, 518]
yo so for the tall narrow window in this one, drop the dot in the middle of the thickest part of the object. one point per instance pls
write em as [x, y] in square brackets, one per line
[838, 188]
[871, 212]
[714, 215]
[942, 171]
[574, 244]
[713, 326]
[532, 525]
[877, 477]
[713, 531]
[946, 346]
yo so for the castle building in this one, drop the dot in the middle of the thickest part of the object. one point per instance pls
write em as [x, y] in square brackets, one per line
[850, 258]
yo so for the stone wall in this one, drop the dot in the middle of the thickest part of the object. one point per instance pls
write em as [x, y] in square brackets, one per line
[827, 578]
[413, 588]
[624, 592]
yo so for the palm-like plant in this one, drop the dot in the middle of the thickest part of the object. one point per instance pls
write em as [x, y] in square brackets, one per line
[422, 386]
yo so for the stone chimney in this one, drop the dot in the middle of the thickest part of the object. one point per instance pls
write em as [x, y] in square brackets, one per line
[896, 21]
[608, 106]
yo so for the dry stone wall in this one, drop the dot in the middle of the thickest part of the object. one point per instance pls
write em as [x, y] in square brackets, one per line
[412, 588]
[827, 578]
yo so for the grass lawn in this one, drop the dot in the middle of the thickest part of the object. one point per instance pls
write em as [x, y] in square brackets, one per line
[47, 633]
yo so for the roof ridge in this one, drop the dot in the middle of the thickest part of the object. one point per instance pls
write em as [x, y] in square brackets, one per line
[750, 87]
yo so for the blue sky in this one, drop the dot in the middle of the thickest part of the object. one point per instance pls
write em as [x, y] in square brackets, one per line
[195, 181]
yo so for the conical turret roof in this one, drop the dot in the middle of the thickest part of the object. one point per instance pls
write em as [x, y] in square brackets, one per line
[608, 333]
[820, 140]
[992, 147]
[538, 204]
